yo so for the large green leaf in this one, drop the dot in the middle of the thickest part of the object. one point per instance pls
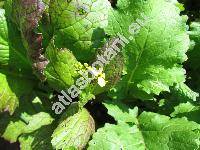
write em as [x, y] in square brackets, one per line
[149, 131]
[79, 25]
[153, 58]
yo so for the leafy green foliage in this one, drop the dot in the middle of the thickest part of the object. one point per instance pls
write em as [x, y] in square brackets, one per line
[193, 54]
[78, 25]
[195, 37]
[40, 139]
[145, 98]
[29, 117]
[146, 131]
[15, 72]
[154, 56]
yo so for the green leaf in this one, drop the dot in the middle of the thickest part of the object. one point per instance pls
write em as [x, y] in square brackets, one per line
[188, 110]
[73, 130]
[27, 17]
[62, 69]
[15, 70]
[40, 139]
[114, 137]
[153, 58]
[120, 111]
[12, 52]
[62, 72]
[12, 88]
[179, 94]
[4, 47]
[79, 25]
[28, 124]
[150, 131]
[184, 108]
[27, 118]
[194, 54]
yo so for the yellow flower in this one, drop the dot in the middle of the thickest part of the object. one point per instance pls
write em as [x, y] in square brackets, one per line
[99, 74]
[94, 71]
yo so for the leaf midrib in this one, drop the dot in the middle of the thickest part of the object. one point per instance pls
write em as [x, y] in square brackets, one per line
[137, 63]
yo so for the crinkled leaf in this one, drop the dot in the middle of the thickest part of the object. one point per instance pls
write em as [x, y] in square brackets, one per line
[153, 58]
[114, 137]
[79, 25]
[27, 14]
[62, 69]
